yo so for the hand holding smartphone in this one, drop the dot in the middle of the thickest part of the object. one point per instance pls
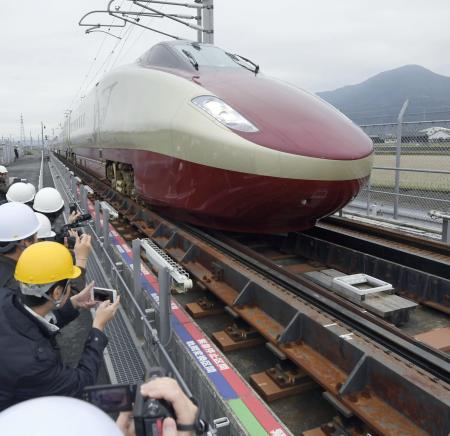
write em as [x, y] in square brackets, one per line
[103, 294]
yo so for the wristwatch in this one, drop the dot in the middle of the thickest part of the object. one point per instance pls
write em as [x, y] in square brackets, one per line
[199, 426]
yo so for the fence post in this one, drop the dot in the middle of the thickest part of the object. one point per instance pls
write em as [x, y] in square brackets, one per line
[106, 229]
[369, 187]
[97, 217]
[398, 152]
[83, 199]
[73, 187]
[164, 306]
[137, 286]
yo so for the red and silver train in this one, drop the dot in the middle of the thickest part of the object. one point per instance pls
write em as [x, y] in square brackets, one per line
[202, 136]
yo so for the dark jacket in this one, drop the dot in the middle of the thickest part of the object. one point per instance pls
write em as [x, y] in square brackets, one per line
[30, 365]
[7, 268]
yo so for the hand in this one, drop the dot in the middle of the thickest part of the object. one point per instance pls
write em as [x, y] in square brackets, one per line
[126, 423]
[84, 300]
[105, 312]
[168, 389]
[73, 217]
[82, 249]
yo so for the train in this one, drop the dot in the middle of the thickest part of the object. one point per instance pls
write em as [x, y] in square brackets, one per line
[204, 137]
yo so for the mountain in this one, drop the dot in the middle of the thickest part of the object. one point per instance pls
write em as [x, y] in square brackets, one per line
[380, 98]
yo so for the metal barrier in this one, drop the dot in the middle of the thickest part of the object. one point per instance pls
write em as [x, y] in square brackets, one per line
[411, 172]
[149, 321]
[6, 154]
[128, 285]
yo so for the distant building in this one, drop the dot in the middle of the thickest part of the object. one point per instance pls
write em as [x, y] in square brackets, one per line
[437, 134]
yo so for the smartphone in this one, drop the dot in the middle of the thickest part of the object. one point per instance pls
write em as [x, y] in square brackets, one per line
[103, 294]
[111, 398]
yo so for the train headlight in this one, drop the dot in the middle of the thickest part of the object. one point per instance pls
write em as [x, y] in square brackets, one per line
[224, 113]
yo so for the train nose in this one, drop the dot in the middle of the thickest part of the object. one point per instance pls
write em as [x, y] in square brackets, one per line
[294, 121]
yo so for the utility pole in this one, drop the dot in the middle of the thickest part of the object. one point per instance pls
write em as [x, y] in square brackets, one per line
[42, 134]
[208, 21]
[22, 132]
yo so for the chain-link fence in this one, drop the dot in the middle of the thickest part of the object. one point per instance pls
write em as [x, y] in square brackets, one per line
[6, 154]
[411, 172]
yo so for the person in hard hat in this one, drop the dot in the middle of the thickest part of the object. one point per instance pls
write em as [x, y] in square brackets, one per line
[18, 228]
[45, 228]
[30, 364]
[46, 415]
[21, 192]
[4, 182]
[49, 202]
[37, 416]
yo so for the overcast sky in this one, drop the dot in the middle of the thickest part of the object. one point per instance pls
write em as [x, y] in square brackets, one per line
[47, 62]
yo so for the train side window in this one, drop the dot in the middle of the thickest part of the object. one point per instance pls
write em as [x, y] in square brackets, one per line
[159, 56]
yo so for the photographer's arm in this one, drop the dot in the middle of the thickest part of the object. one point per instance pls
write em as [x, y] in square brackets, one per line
[168, 389]
[82, 249]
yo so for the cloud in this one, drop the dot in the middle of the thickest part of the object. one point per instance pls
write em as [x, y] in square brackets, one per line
[45, 56]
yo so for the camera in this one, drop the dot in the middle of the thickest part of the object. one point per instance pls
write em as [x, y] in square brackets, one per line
[148, 413]
[73, 208]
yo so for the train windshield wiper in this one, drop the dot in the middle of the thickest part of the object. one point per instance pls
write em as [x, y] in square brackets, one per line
[191, 58]
[244, 62]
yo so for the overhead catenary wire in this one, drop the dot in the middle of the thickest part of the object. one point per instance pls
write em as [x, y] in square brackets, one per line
[134, 42]
[82, 89]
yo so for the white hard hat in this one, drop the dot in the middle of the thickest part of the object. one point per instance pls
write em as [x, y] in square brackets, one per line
[32, 188]
[21, 192]
[17, 222]
[45, 415]
[45, 229]
[3, 169]
[48, 200]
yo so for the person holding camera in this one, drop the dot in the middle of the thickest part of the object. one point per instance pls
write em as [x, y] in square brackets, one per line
[18, 228]
[186, 420]
[32, 367]
[35, 417]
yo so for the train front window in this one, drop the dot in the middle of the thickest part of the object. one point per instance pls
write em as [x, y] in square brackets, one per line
[205, 56]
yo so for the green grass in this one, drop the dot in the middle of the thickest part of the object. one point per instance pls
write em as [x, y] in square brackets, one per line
[410, 180]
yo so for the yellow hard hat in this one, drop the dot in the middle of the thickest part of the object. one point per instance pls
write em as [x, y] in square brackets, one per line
[45, 262]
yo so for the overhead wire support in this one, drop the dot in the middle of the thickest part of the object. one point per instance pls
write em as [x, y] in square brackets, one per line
[96, 29]
[186, 5]
[204, 15]
[171, 17]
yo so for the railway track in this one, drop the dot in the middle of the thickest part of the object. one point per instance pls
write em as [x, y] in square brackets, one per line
[420, 354]
[418, 268]
[368, 367]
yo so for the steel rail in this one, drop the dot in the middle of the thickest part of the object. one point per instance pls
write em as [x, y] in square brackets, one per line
[418, 353]
[419, 242]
